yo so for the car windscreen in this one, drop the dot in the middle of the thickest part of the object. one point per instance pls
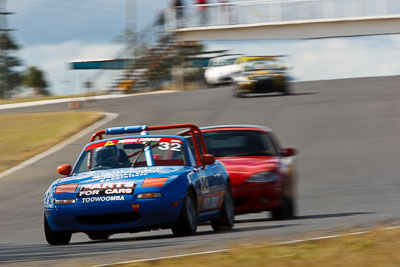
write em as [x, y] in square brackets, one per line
[262, 64]
[227, 143]
[131, 153]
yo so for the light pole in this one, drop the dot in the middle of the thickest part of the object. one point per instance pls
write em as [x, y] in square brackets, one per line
[130, 30]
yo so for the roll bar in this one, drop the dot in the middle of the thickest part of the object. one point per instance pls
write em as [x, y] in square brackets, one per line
[143, 129]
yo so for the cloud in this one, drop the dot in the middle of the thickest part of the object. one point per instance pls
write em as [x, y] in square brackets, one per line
[53, 60]
[49, 21]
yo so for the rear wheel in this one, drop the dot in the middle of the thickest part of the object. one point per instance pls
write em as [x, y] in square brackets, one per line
[187, 221]
[227, 217]
[55, 237]
[98, 236]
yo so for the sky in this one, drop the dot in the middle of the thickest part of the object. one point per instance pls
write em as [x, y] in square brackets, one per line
[52, 33]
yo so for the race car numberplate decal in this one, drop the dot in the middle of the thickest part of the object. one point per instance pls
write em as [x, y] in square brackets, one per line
[106, 189]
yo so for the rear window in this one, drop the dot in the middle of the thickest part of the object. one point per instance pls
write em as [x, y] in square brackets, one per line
[226, 143]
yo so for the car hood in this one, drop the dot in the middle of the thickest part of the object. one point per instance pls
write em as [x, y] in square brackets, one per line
[136, 175]
[240, 168]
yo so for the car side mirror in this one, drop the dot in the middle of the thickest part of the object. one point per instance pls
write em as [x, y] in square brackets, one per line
[207, 159]
[65, 169]
[289, 152]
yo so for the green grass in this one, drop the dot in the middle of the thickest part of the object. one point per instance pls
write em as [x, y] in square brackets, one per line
[377, 248]
[38, 98]
[25, 135]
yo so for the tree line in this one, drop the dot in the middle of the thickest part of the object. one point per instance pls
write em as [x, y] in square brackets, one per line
[13, 79]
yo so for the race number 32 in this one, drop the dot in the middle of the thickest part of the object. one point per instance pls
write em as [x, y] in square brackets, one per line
[170, 146]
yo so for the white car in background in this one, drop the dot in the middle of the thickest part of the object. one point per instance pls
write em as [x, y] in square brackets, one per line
[221, 69]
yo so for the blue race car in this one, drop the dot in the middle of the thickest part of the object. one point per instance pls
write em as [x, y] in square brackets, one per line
[136, 183]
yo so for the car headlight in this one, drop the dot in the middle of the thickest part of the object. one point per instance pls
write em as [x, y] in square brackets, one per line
[149, 195]
[64, 201]
[263, 177]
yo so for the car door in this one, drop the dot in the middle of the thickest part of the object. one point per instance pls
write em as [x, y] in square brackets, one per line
[213, 188]
[201, 179]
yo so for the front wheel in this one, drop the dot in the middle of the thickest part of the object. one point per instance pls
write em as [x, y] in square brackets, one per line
[187, 221]
[285, 211]
[227, 216]
[55, 237]
[287, 90]
[237, 93]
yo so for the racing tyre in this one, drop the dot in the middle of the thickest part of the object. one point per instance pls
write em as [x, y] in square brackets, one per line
[98, 236]
[237, 93]
[287, 90]
[285, 210]
[187, 221]
[227, 217]
[55, 237]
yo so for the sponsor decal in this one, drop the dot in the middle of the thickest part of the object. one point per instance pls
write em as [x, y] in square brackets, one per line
[127, 141]
[92, 146]
[106, 189]
[134, 140]
[112, 175]
[110, 143]
[204, 187]
[148, 139]
[102, 199]
[117, 174]
[210, 203]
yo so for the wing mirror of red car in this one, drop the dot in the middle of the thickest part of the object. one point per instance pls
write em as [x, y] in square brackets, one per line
[207, 159]
[289, 152]
[65, 169]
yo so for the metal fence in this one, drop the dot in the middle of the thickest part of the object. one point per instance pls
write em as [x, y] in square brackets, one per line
[275, 11]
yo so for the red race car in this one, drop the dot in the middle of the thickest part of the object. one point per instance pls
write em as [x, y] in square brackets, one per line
[263, 174]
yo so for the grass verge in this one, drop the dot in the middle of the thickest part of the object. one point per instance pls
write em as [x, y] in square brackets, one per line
[25, 135]
[376, 248]
[39, 98]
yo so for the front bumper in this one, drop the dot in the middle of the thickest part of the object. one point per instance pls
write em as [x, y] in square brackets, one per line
[255, 197]
[264, 85]
[114, 217]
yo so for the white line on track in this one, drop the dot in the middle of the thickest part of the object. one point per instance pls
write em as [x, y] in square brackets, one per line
[166, 257]
[108, 117]
[63, 100]
[390, 228]
[226, 250]
[320, 238]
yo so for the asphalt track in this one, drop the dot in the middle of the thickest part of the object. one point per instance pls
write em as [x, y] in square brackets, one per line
[347, 132]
